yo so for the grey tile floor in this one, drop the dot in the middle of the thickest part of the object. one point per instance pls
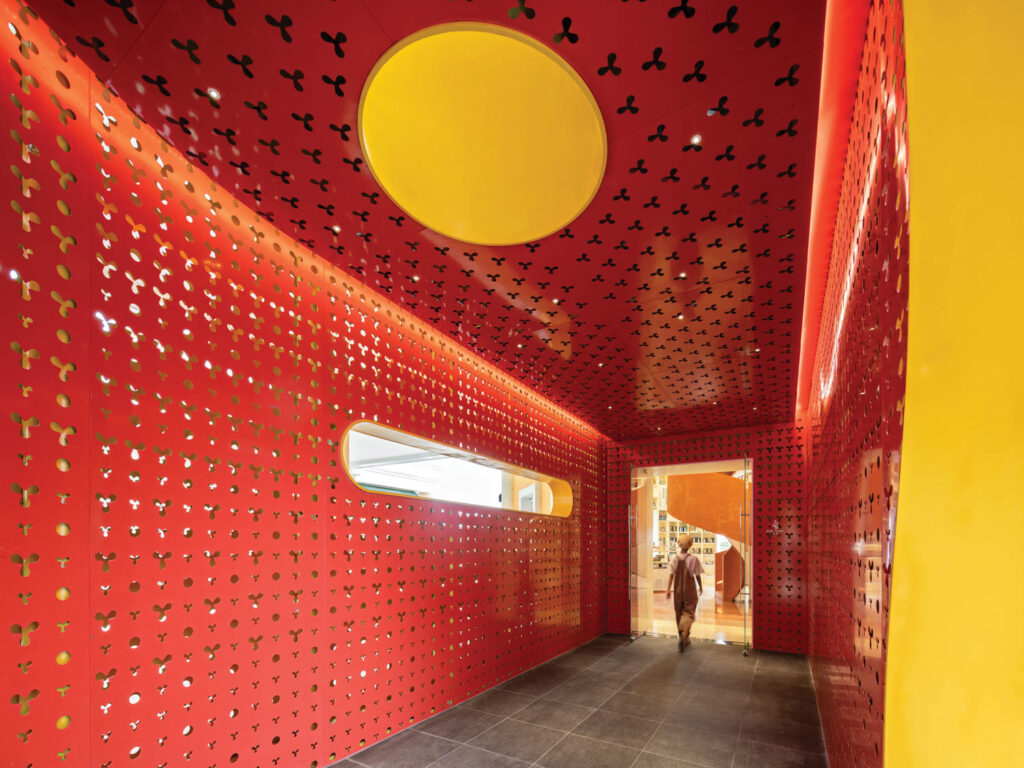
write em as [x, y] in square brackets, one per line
[615, 704]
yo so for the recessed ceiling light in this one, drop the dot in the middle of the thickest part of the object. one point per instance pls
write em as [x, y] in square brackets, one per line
[336, 229]
[696, 139]
[679, 316]
[556, 300]
[213, 93]
[682, 274]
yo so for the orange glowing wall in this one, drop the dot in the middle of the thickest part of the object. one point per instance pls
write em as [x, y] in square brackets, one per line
[713, 502]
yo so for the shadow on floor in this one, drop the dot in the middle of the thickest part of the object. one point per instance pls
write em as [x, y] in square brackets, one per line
[615, 704]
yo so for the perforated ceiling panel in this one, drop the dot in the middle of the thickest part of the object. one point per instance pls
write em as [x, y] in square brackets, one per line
[678, 290]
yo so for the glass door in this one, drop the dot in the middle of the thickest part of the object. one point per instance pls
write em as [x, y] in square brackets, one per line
[746, 528]
[634, 577]
[641, 596]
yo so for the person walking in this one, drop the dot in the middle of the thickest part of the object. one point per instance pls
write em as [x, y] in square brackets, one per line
[684, 583]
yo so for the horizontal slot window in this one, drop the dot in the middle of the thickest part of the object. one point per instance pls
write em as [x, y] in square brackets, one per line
[380, 459]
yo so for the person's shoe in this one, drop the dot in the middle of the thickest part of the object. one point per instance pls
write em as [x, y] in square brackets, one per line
[682, 646]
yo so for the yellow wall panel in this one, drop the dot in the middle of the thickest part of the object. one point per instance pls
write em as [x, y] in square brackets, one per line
[955, 682]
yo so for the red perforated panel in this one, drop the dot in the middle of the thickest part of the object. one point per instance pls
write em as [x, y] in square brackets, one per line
[856, 412]
[178, 377]
[779, 540]
[715, 232]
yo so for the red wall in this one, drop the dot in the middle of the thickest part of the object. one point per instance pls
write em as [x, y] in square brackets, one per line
[178, 376]
[779, 541]
[856, 409]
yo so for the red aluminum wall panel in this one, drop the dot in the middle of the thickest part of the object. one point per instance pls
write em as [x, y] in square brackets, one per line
[779, 533]
[856, 409]
[179, 376]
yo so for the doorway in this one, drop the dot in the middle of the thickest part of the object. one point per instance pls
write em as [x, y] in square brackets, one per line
[711, 502]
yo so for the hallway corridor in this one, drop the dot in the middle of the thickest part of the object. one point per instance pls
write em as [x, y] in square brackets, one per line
[614, 704]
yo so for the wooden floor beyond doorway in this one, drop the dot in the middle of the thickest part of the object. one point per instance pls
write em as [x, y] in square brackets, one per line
[722, 623]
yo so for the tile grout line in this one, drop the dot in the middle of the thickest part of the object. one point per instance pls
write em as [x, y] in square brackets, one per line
[746, 703]
[703, 665]
[511, 716]
[536, 763]
[506, 717]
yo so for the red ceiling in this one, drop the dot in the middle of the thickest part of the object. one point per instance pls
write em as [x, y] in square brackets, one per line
[733, 215]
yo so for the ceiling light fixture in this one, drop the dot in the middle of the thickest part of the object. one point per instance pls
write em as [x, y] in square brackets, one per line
[696, 139]
[213, 93]
[489, 102]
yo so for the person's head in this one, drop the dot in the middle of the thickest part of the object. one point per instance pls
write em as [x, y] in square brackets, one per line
[685, 542]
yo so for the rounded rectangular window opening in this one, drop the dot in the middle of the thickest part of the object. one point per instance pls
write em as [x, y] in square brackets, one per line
[380, 459]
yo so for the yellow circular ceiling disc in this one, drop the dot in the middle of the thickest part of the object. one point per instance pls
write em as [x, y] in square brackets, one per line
[482, 134]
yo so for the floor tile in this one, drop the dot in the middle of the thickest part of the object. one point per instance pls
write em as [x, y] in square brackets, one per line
[554, 714]
[771, 661]
[706, 708]
[574, 692]
[645, 685]
[408, 749]
[734, 681]
[618, 728]
[459, 723]
[713, 715]
[696, 691]
[613, 641]
[619, 664]
[702, 747]
[535, 682]
[560, 666]
[498, 702]
[785, 677]
[764, 685]
[471, 757]
[614, 680]
[754, 755]
[639, 706]
[780, 732]
[801, 710]
[651, 760]
[595, 651]
[580, 752]
[523, 741]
